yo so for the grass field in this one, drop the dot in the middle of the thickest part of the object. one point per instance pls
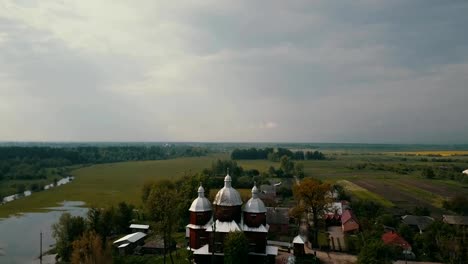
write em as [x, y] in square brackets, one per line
[106, 184]
[364, 194]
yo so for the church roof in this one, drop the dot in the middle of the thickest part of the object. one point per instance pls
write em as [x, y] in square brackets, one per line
[201, 204]
[227, 196]
[224, 227]
[255, 204]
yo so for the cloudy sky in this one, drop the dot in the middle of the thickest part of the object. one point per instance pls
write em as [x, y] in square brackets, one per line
[308, 71]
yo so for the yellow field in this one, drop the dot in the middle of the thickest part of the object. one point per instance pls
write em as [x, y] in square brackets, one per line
[444, 153]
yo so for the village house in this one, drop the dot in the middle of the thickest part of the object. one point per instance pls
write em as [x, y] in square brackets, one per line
[418, 223]
[278, 219]
[128, 243]
[394, 239]
[455, 220]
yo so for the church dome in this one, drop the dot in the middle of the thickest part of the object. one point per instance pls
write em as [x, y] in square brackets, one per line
[228, 196]
[201, 204]
[255, 204]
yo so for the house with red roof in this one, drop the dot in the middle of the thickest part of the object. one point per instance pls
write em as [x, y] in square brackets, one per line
[394, 239]
[349, 221]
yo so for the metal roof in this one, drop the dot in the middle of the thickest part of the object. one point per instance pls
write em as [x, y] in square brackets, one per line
[124, 245]
[455, 219]
[298, 240]
[270, 250]
[227, 196]
[137, 226]
[255, 204]
[277, 215]
[131, 238]
[224, 227]
[422, 222]
[201, 203]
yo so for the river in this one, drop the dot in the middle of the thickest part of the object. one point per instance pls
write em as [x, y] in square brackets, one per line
[19, 235]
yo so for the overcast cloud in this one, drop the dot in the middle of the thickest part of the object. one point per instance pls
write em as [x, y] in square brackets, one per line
[309, 71]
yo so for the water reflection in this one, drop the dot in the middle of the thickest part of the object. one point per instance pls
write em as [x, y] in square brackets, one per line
[19, 235]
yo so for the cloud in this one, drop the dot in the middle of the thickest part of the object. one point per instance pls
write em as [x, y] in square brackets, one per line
[360, 71]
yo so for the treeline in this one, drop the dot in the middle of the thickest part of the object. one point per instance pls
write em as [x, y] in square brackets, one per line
[31, 162]
[275, 155]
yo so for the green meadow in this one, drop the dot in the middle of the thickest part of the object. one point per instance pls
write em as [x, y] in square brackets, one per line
[106, 184]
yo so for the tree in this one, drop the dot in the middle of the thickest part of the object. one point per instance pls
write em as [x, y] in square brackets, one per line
[286, 165]
[65, 232]
[123, 217]
[236, 248]
[406, 232]
[428, 173]
[90, 249]
[163, 208]
[315, 197]
[375, 252]
[299, 170]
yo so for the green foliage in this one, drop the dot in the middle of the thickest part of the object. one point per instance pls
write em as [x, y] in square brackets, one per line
[68, 229]
[441, 242]
[406, 232]
[421, 210]
[458, 204]
[286, 165]
[375, 252]
[28, 163]
[163, 209]
[428, 173]
[316, 155]
[236, 248]
[388, 220]
[366, 209]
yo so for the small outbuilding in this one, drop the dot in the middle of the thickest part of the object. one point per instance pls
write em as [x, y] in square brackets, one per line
[298, 244]
[278, 219]
[455, 220]
[139, 228]
[129, 242]
[419, 223]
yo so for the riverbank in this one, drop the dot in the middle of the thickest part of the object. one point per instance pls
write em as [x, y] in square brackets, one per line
[20, 234]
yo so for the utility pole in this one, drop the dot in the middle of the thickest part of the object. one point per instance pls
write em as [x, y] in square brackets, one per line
[40, 249]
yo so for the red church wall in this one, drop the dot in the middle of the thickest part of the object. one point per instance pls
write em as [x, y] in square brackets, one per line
[254, 220]
[198, 238]
[228, 213]
[200, 218]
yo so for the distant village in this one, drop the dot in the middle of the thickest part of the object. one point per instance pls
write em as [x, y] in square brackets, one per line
[276, 234]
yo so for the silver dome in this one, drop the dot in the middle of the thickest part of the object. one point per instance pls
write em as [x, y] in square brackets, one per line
[227, 196]
[201, 204]
[255, 204]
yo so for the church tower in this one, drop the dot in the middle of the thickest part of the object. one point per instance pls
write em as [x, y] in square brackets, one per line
[200, 215]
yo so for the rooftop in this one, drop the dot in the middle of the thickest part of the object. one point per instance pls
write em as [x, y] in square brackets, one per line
[455, 219]
[277, 215]
[131, 238]
[227, 196]
[137, 226]
[422, 222]
[392, 238]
